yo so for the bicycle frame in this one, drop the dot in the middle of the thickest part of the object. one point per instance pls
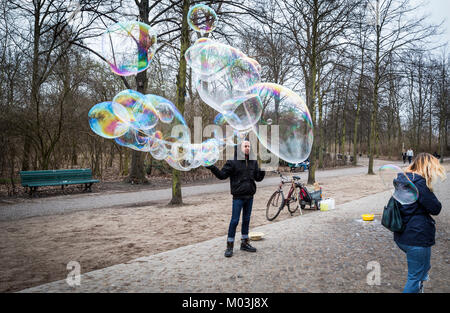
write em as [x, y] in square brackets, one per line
[294, 184]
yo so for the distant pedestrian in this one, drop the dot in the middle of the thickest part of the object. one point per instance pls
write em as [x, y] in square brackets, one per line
[420, 231]
[410, 154]
[436, 155]
[404, 157]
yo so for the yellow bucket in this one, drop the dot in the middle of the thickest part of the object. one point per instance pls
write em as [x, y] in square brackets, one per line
[368, 217]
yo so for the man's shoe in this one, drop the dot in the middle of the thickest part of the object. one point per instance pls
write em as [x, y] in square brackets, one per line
[245, 245]
[421, 287]
[229, 250]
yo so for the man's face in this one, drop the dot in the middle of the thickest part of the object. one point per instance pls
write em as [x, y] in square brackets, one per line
[245, 147]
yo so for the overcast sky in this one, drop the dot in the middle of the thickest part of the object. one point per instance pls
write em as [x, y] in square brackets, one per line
[440, 10]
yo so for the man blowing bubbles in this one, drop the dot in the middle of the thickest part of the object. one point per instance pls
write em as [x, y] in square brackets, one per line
[243, 173]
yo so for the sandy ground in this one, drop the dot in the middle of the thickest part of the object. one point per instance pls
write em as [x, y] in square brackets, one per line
[37, 250]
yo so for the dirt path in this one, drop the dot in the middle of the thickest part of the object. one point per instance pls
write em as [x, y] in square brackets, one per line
[51, 204]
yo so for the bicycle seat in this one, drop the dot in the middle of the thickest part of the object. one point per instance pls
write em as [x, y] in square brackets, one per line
[296, 177]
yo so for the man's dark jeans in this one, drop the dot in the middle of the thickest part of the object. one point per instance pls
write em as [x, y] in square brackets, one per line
[244, 205]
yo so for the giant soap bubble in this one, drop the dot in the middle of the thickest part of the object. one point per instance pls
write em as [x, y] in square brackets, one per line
[150, 123]
[242, 112]
[134, 140]
[244, 73]
[292, 119]
[105, 123]
[225, 78]
[398, 183]
[202, 19]
[209, 59]
[140, 113]
[229, 81]
[128, 47]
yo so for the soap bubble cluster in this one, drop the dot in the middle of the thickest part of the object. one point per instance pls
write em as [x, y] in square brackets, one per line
[153, 124]
[230, 82]
[225, 78]
[399, 184]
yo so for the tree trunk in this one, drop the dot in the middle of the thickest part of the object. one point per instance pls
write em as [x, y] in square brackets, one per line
[177, 198]
[137, 171]
[26, 154]
[373, 117]
[313, 81]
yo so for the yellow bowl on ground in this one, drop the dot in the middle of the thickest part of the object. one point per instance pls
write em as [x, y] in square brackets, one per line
[256, 235]
[367, 217]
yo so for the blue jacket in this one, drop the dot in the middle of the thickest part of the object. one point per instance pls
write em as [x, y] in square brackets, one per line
[420, 226]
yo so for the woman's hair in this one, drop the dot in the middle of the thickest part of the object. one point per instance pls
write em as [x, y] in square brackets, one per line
[428, 167]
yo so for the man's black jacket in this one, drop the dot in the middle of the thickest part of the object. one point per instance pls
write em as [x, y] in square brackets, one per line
[242, 174]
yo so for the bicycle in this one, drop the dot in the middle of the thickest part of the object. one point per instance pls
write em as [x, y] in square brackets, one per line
[297, 197]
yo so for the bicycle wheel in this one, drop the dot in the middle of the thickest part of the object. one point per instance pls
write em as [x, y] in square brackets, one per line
[274, 205]
[292, 204]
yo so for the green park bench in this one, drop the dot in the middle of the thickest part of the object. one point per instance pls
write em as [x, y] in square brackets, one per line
[35, 179]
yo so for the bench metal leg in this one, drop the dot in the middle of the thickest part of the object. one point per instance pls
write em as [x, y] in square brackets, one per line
[32, 191]
[87, 187]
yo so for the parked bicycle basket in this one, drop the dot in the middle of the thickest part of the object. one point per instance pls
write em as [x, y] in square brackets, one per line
[316, 195]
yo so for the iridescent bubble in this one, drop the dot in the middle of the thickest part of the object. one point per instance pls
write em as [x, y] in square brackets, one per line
[104, 122]
[129, 47]
[201, 18]
[236, 53]
[243, 74]
[220, 120]
[203, 40]
[242, 112]
[163, 107]
[141, 114]
[159, 151]
[398, 183]
[209, 59]
[182, 156]
[210, 152]
[216, 92]
[256, 64]
[134, 140]
[291, 137]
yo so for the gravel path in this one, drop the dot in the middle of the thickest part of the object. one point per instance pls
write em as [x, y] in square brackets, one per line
[332, 251]
[71, 203]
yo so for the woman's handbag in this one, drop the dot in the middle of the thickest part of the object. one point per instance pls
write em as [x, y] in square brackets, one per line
[392, 219]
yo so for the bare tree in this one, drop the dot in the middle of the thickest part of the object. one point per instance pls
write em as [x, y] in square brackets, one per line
[395, 31]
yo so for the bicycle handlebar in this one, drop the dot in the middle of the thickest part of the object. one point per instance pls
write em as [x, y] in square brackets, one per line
[285, 179]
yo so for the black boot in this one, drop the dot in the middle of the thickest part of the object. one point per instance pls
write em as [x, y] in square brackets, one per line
[245, 245]
[229, 250]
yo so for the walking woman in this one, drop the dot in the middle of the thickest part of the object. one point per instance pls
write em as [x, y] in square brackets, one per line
[419, 235]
